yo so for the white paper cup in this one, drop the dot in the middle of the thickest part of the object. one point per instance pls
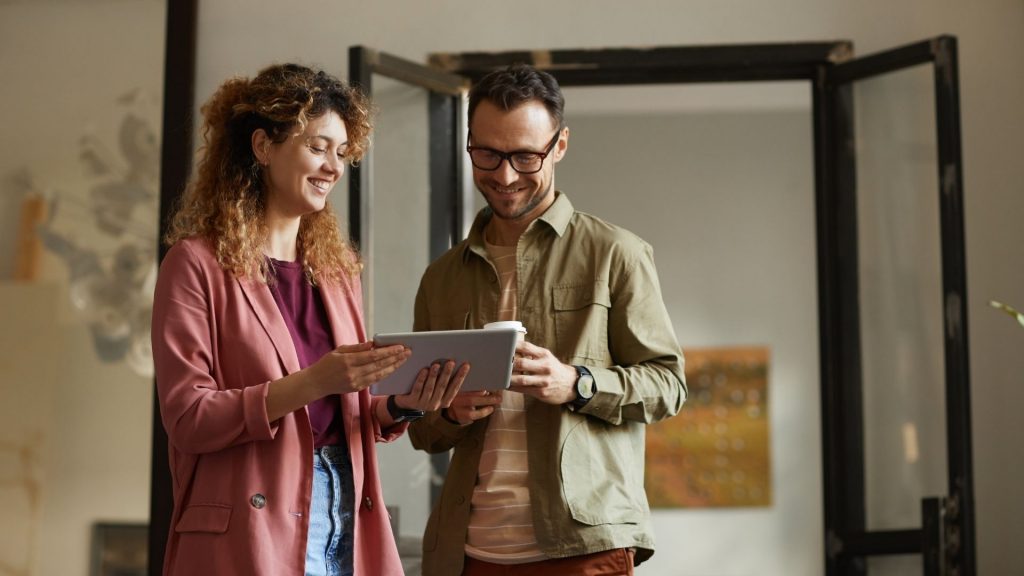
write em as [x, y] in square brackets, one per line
[508, 324]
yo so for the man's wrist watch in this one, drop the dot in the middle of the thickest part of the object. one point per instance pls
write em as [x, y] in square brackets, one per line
[584, 388]
[399, 414]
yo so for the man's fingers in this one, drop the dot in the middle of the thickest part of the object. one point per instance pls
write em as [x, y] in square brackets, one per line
[482, 412]
[528, 350]
[470, 406]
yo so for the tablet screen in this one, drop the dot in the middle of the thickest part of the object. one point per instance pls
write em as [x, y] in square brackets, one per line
[489, 352]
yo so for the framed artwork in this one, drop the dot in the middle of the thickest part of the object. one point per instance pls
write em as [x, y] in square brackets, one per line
[715, 452]
[119, 549]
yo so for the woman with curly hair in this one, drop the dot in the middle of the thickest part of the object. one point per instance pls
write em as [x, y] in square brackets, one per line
[261, 357]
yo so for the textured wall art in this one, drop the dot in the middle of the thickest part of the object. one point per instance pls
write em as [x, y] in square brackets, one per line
[715, 453]
[106, 233]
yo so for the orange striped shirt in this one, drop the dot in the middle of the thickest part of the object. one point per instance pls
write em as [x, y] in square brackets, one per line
[500, 518]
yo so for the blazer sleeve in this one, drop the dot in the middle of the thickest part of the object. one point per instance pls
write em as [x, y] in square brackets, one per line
[200, 414]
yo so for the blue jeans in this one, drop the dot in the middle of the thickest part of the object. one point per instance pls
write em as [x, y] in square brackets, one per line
[329, 547]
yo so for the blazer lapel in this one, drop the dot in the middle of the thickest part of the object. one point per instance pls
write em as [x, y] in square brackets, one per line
[269, 315]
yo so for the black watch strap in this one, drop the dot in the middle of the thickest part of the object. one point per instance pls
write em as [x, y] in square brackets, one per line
[585, 388]
[399, 414]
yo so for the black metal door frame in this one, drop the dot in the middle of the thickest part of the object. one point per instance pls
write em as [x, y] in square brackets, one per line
[175, 166]
[950, 546]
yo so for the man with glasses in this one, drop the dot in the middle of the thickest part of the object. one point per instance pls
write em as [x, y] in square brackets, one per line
[547, 477]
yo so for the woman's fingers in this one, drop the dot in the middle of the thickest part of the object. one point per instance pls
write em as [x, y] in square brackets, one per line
[441, 382]
[435, 386]
[429, 386]
[417, 386]
[368, 376]
[454, 385]
[422, 387]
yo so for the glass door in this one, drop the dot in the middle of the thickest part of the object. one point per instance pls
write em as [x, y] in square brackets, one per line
[895, 400]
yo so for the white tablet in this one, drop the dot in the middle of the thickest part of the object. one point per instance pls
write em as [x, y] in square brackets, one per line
[489, 353]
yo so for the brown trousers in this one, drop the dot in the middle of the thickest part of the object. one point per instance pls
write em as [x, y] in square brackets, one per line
[618, 562]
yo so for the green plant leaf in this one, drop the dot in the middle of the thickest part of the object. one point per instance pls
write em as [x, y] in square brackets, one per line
[1009, 310]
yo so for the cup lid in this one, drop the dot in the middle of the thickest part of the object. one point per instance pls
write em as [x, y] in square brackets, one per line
[506, 324]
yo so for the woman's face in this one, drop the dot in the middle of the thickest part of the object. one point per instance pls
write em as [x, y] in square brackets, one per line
[301, 171]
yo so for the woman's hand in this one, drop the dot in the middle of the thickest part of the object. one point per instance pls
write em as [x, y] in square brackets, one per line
[435, 387]
[353, 367]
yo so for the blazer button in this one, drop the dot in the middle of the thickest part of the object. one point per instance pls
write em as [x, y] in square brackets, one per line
[368, 503]
[258, 501]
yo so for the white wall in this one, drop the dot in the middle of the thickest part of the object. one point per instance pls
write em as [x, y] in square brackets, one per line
[726, 200]
[66, 67]
[239, 37]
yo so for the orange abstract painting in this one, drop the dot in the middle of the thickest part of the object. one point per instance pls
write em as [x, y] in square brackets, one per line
[715, 452]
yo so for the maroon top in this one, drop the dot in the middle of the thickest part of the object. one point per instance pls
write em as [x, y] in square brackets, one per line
[304, 314]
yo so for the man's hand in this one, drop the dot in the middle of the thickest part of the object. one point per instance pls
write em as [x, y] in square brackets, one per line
[538, 373]
[468, 407]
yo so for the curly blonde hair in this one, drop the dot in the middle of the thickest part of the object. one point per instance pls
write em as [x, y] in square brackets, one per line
[225, 202]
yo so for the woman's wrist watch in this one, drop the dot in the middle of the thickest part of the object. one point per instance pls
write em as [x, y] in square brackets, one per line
[584, 388]
[399, 414]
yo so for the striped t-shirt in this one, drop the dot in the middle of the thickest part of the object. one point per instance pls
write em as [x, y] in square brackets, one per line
[500, 519]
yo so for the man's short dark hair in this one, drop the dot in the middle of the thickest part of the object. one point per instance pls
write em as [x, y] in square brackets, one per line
[518, 84]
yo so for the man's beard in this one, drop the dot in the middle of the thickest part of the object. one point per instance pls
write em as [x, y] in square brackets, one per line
[535, 201]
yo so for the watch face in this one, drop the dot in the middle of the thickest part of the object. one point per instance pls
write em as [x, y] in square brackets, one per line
[585, 386]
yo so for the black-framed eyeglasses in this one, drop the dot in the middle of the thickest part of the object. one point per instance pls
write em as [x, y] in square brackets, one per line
[522, 161]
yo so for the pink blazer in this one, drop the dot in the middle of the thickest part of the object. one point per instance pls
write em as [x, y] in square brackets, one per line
[242, 484]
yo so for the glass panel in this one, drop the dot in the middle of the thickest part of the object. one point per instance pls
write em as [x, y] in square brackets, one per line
[400, 226]
[900, 297]
[721, 185]
[78, 238]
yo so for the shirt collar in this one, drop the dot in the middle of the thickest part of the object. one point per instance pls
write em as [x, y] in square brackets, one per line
[559, 214]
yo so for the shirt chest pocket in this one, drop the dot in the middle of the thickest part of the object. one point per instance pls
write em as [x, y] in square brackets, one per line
[581, 322]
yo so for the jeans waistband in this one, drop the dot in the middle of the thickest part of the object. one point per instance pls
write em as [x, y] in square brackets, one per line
[334, 454]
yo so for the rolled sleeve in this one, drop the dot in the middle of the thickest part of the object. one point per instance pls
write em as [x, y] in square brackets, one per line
[646, 382]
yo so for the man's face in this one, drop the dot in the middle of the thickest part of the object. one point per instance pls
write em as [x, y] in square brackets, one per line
[527, 128]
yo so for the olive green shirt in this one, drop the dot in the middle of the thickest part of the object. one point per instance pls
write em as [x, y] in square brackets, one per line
[588, 291]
